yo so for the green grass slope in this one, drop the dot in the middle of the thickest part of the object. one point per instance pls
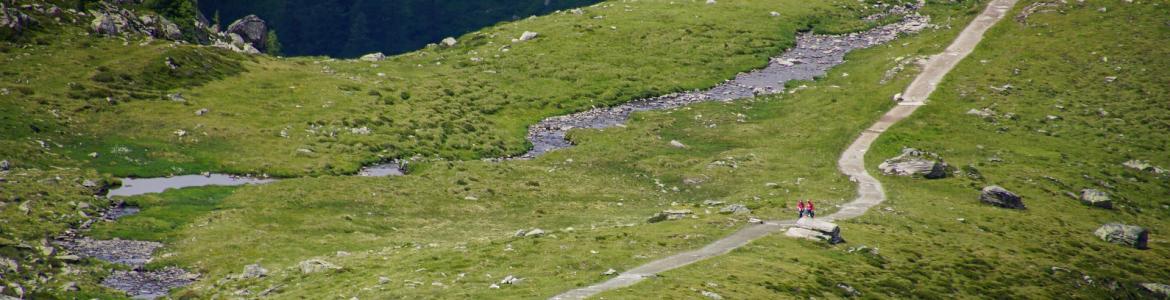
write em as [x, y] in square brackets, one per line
[936, 240]
[447, 229]
[296, 116]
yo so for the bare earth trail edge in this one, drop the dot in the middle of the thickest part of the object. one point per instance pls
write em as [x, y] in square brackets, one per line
[852, 162]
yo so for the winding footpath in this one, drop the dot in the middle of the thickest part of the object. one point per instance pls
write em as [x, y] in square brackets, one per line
[851, 163]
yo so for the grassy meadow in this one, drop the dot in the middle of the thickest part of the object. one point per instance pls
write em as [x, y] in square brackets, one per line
[936, 240]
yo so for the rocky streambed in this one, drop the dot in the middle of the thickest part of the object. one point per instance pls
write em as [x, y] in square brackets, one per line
[812, 56]
[138, 281]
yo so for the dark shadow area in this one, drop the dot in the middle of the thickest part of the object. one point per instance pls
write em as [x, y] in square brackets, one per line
[350, 28]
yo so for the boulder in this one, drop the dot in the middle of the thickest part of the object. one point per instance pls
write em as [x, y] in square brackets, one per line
[527, 36]
[510, 279]
[13, 22]
[1129, 235]
[912, 162]
[808, 234]
[828, 231]
[254, 271]
[373, 57]
[537, 232]
[448, 42]
[1096, 198]
[677, 144]
[735, 209]
[5, 165]
[711, 295]
[316, 265]
[673, 214]
[253, 30]
[998, 196]
[106, 23]
[1159, 289]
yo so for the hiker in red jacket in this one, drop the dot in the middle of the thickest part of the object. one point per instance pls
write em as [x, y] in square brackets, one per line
[811, 209]
[800, 209]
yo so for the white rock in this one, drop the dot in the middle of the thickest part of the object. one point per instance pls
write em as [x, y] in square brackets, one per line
[376, 56]
[527, 35]
[677, 144]
[448, 42]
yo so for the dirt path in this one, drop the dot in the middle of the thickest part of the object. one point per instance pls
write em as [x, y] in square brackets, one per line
[852, 162]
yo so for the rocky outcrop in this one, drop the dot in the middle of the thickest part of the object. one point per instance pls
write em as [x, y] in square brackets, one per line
[251, 30]
[110, 20]
[1129, 235]
[913, 162]
[1096, 198]
[13, 22]
[998, 196]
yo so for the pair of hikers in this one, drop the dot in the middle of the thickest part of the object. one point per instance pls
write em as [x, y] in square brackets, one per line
[806, 209]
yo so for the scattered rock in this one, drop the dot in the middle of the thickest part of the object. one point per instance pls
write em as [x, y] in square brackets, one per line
[1157, 288]
[774, 14]
[202, 111]
[5, 165]
[712, 202]
[537, 232]
[527, 36]
[670, 215]
[177, 97]
[677, 144]
[511, 280]
[711, 295]
[735, 209]
[1129, 235]
[912, 162]
[849, 290]
[374, 57]
[610, 272]
[710, 1]
[149, 283]
[69, 287]
[316, 265]
[253, 31]
[127, 252]
[520, 233]
[1096, 198]
[254, 271]
[10, 265]
[985, 113]
[448, 42]
[998, 196]
[383, 280]
[754, 220]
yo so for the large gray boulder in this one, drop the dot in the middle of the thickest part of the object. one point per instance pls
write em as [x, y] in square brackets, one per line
[252, 30]
[1129, 235]
[913, 162]
[1096, 198]
[998, 196]
[109, 23]
[813, 229]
